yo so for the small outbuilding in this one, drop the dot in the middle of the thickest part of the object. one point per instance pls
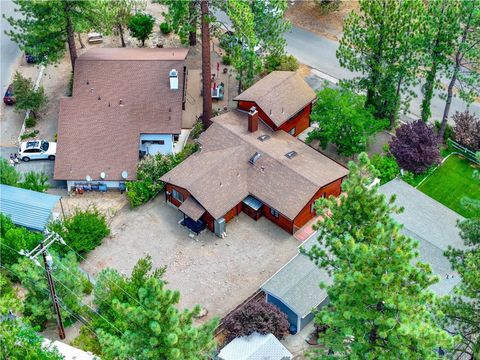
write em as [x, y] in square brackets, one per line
[255, 347]
[27, 208]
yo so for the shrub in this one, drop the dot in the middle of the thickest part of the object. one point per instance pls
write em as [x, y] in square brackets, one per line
[282, 63]
[35, 181]
[467, 130]
[165, 28]
[141, 26]
[84, 230]
[259, 317]
[198, 128]
[30, 122]
[226, 60]
[386, 166]
[87, 341]
[448, 134]
[26, 97]
[141, 191]
[8, 174]
[328, 5]
[28, 135]
[415, 147]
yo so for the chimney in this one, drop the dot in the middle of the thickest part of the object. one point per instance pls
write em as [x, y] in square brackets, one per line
[253, 120]
[173, 79]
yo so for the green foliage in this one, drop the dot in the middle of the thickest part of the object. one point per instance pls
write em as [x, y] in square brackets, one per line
[8, 174]
[30, 122]
[87, 341]
[28, 135]
[328, 5]
[84, 230]
[117, 14]
[281, 63]
[146, 321]
[35, 181]
[70, 284]
[141, 26]
[182, 17]
[9, 301]
[149, 171]
[198, 128]
[448, 133]
[387, 167]
[380, 305]
[13, 239]
[226, 60]
[342, 120]
[26, 97]
[165, 28]
[20, 341]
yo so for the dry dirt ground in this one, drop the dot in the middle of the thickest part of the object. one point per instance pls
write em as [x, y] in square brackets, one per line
[308, 15]
[217, 274]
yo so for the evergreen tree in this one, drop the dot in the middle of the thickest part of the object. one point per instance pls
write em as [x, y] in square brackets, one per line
[380, 306]
[183, 17]
[27, 97]
[144, 320]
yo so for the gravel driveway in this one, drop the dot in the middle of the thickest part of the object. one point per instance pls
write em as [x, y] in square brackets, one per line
[217, 274]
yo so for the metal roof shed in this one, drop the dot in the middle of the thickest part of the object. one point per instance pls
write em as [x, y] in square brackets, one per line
[27, 208]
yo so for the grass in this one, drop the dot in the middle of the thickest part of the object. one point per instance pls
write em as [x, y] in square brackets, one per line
[452, 181]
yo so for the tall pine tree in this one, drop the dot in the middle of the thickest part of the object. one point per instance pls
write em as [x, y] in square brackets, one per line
[380, 306]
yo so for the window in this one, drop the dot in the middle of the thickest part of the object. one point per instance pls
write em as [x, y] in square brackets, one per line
[150, 142]
[274, 213]
[44, 145]
[292, 131]
[32, 151]
[312, 208]
[177, 196]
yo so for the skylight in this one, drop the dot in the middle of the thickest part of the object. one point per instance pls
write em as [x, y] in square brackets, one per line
[263, 137]
[255, 157]
[291, 154]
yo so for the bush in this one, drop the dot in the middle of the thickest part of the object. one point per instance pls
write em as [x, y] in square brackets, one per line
[197, 129]
[259, 317]
[448, 134]
[87, 341]
[415, 147]
[281, 63]
[467, 130]
[84, 230]
[328, 5]
[30, 122]
[226, 60]
[386, 166]
[8, 174]
[165, 28]
[29, 135]
[35, 181]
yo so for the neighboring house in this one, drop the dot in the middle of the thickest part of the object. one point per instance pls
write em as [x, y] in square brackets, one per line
[27, 208]
[126, 103]
[283, 100]
[255, 347]
[294, 288]
[245, 166]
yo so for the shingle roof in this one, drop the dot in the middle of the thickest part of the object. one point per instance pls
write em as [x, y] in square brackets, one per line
[27, 208]
[285, 93]
[220, 175]
[97, 136]
[192, 208]
[255, 347]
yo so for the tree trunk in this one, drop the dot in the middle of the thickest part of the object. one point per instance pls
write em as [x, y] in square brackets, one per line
[120, 31]
[443, 125]
[206, 67]
[428, 92]
[70, 35]
[82, 45]
[192, 36]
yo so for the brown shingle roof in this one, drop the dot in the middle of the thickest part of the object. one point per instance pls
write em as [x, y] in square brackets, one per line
[285, 93]
[103, 135]
[192, 208]
[220, 175]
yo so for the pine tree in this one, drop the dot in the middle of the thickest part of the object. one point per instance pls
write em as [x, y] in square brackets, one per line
[145, 322]
[380, 306]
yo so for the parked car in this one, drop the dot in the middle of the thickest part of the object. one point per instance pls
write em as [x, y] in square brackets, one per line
[94, 38]
[9, 98]
[37, 150]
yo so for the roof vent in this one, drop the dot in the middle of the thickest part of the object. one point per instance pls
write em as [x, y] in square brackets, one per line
[173, 74]
[263, 137]
[291, 154]
[255, 157]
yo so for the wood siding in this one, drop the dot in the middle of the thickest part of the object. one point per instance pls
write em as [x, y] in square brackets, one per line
[282, 221]
[170, 198]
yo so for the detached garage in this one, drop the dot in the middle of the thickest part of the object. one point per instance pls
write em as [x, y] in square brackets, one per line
[295, 289]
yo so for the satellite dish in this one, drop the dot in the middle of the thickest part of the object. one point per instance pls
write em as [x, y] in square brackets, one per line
[103, 175]
[88, 178]
[124, 174]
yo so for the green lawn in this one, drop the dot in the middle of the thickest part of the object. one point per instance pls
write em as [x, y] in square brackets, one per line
[452, 181]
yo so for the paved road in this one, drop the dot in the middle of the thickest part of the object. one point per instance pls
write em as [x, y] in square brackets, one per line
[9, 50]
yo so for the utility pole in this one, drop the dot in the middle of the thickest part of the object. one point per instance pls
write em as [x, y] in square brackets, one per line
[48, 260]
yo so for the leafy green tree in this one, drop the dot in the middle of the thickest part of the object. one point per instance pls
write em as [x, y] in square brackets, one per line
[343, 120]
[8, 174]
[184, 18]
[443, 19]
[462, 72]
[380, 306]
[141, 26]
[9, 301]
[18, 340]
[385, 43]
[118, 14]
[45, 26]
[27, 97]
[146, 323]
[69, 280]
[463, 308]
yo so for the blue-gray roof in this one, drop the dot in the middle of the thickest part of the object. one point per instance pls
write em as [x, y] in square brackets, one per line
[27, 208]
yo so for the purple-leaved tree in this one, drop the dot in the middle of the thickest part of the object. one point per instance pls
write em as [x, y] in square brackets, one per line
[415, 147]
[467, 130]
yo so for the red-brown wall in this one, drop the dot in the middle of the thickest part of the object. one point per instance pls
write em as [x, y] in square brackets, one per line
[282, 221]
[300, 121]
[169, 188]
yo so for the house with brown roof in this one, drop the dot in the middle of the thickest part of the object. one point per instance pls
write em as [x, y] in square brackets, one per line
[283, 101]
[125, 103]
[244, 165]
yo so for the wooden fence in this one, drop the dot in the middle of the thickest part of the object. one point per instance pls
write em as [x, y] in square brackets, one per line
[469, 154]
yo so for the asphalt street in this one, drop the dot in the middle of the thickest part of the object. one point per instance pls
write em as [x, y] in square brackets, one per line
[10, 52]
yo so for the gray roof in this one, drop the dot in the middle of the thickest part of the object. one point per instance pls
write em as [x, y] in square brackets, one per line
[27, 208]
[432, 224]
[297, 283]
[255, 347]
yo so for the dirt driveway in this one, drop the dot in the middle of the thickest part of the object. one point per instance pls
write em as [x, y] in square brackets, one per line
[217, 274]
